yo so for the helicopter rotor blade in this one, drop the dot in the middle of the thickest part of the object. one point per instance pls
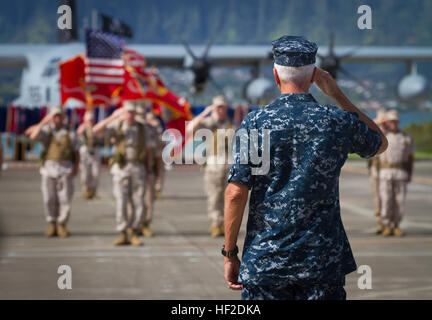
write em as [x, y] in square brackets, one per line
[188, 49]
[212, 38]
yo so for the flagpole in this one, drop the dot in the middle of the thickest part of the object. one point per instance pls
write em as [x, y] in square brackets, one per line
[94, 19]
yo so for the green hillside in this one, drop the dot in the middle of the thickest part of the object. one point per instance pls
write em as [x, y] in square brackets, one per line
[395, 22]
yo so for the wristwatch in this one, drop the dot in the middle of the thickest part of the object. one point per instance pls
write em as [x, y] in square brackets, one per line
[231, 253]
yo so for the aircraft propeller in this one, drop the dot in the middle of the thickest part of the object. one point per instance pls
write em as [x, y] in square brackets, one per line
[201, 65]
[332, 63]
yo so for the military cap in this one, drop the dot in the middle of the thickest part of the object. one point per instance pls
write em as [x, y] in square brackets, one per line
[219, 101]
[140, 109]
[129, 106]
[88, 115]
[56, 110]
[294, 51]
[392, 115]
[381, 115]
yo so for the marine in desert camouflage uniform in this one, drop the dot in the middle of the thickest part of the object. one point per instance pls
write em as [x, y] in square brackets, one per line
[90, 156]
[59, 165]
[373, 166]
[129, 166]
[396, 168]
[217, 160]
[149, 195]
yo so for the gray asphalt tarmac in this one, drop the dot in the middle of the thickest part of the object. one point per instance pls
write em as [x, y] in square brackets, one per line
[182, 261]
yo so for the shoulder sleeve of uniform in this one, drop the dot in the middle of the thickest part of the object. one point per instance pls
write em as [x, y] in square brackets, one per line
[241, 169]
[359, 137]
[111, 129]
[44, 134]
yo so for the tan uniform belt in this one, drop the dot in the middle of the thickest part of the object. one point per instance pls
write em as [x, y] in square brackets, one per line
[400, 165]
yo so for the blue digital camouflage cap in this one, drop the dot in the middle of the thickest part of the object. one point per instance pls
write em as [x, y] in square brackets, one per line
[294, 51]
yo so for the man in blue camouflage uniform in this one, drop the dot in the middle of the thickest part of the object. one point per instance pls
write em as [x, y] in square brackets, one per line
[295, 246]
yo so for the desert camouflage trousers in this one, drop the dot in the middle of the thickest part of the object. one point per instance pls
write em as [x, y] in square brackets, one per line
[376, 198]
[129, 191]
[90, 171]
[149, 199]
[57, 195]
[393, 194]
[215, 182]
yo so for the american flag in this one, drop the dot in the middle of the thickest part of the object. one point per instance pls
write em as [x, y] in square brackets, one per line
[104, 70]
[134, 59]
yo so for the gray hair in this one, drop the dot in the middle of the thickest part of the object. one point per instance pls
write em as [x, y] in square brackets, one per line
[296, 75]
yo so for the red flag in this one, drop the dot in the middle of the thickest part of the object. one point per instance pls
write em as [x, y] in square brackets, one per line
[134, 60]
[72, 80]
[132, 89]
[143, 85]
[159, 93]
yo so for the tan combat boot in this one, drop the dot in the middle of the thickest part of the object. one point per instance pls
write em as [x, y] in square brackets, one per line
[52, 230]
[158, 195]
[135, 240]
[398, 232]
[122, 240]
[222, 229]
[380, 228]
[86, 194]
[94, 194]
[62, 231]
[146, 231]
[216, 231]
[387, 231]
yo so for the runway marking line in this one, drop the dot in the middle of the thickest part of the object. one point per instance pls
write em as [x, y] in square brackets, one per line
[364, 171]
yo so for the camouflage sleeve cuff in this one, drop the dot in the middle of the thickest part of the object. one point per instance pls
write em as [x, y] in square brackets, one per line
[241, 175]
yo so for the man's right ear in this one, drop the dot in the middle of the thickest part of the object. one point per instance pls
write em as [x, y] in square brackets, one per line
[276, 76]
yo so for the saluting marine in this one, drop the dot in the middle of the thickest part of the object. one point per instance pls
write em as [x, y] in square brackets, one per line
[396, 168]
[59, 164]
[373, 166]
[90, 156]
[129, 166]
[149, 195]
[217, 162]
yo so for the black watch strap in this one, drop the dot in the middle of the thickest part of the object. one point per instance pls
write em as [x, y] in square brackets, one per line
[231, 253]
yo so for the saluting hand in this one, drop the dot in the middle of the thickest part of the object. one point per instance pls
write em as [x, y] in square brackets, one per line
[29, 130]
[209, 109]
[231, 272]
[117, 113]
[46, 119]
[325, 82]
